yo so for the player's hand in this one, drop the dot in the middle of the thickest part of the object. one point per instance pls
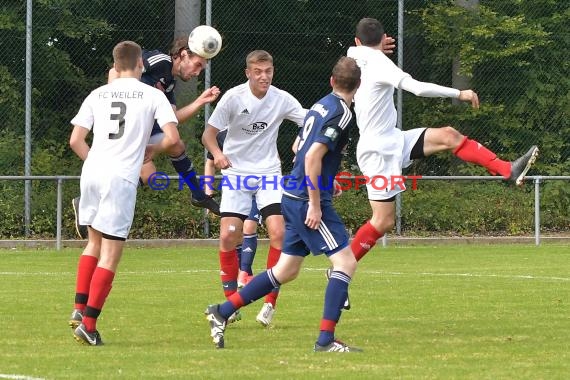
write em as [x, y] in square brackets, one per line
[209, 95]
[222, 162]
[469, 96]
[337, 192]
[388, 44]
[314, 215]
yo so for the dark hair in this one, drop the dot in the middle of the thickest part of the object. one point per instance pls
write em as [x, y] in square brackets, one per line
[369, 31]
[126, 55]
[346, 74]
[179, 44]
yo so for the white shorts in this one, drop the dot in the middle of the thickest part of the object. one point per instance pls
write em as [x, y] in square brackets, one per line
[382, 160]
[107, 204]
[237, 191]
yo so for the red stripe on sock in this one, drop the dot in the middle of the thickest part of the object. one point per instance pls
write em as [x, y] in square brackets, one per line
[85, 269]
[236, 300]
[327, 325]
[364, 240]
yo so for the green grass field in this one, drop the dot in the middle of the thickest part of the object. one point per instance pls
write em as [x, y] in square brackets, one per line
[449, 312]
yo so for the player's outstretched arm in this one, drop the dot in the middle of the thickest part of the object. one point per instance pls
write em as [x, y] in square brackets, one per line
[432, 90]
[469, 96]
[208, 96]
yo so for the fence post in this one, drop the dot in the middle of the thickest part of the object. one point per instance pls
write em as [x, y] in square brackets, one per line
[59, 207]
[28, 121]
[537, 211]
[399, 107]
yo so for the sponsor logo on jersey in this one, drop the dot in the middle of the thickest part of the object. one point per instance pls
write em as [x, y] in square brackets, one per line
[255, 128]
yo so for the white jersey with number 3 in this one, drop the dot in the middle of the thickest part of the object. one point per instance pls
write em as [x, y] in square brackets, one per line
[253, 124]
[121, 115]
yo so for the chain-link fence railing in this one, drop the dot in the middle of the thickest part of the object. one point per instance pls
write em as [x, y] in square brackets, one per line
[514, 54]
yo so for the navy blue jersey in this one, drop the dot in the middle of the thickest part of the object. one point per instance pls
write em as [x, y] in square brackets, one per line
[158, 69]
[327, 122]
[158, 73]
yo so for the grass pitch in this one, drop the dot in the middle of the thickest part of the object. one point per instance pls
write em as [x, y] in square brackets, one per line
[449, 312]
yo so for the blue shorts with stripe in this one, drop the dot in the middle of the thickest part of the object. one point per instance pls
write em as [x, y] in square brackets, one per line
[300, 240]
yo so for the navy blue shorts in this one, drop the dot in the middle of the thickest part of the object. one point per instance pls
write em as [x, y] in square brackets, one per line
[155, 129]
[301, 240]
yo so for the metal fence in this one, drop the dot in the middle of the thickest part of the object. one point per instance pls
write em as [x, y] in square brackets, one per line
[514, 54]
[60, 180]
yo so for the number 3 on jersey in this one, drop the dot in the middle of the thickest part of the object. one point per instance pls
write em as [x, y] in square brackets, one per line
[306, 131]
[120, 117]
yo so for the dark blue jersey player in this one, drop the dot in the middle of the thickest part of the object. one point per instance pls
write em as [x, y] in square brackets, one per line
[161, 71]
[312, 225]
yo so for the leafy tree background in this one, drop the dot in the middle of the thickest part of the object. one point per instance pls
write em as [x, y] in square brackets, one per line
[515, 54]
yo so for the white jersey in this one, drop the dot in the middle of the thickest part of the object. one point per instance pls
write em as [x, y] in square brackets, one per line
[121, 115]
[253, 125]
[374, 100]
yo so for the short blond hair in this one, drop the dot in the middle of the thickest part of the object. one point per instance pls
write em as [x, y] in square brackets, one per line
[126, 55]
[258, 56]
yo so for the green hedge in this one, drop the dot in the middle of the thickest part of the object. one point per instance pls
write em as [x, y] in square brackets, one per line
[436, 208]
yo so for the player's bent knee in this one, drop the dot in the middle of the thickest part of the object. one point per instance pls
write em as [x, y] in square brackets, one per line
[230, 238]
[451, 138]
[285, 275]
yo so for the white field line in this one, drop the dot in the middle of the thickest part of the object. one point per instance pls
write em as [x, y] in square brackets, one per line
[19, 377]
[380, 273]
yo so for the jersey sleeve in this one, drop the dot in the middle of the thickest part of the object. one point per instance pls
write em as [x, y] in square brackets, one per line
[84, 117]
[330, 133]
[164, 113]
[294, 111]
[220, 117]
[387, 72]
[333, 128]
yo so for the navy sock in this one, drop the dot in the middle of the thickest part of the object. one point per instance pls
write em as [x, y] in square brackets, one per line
[185, 170]
[238, 250]
[335, 295]
[258, 287]
[249, 247]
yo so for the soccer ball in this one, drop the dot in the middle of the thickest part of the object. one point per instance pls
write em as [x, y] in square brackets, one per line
[205, 41]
